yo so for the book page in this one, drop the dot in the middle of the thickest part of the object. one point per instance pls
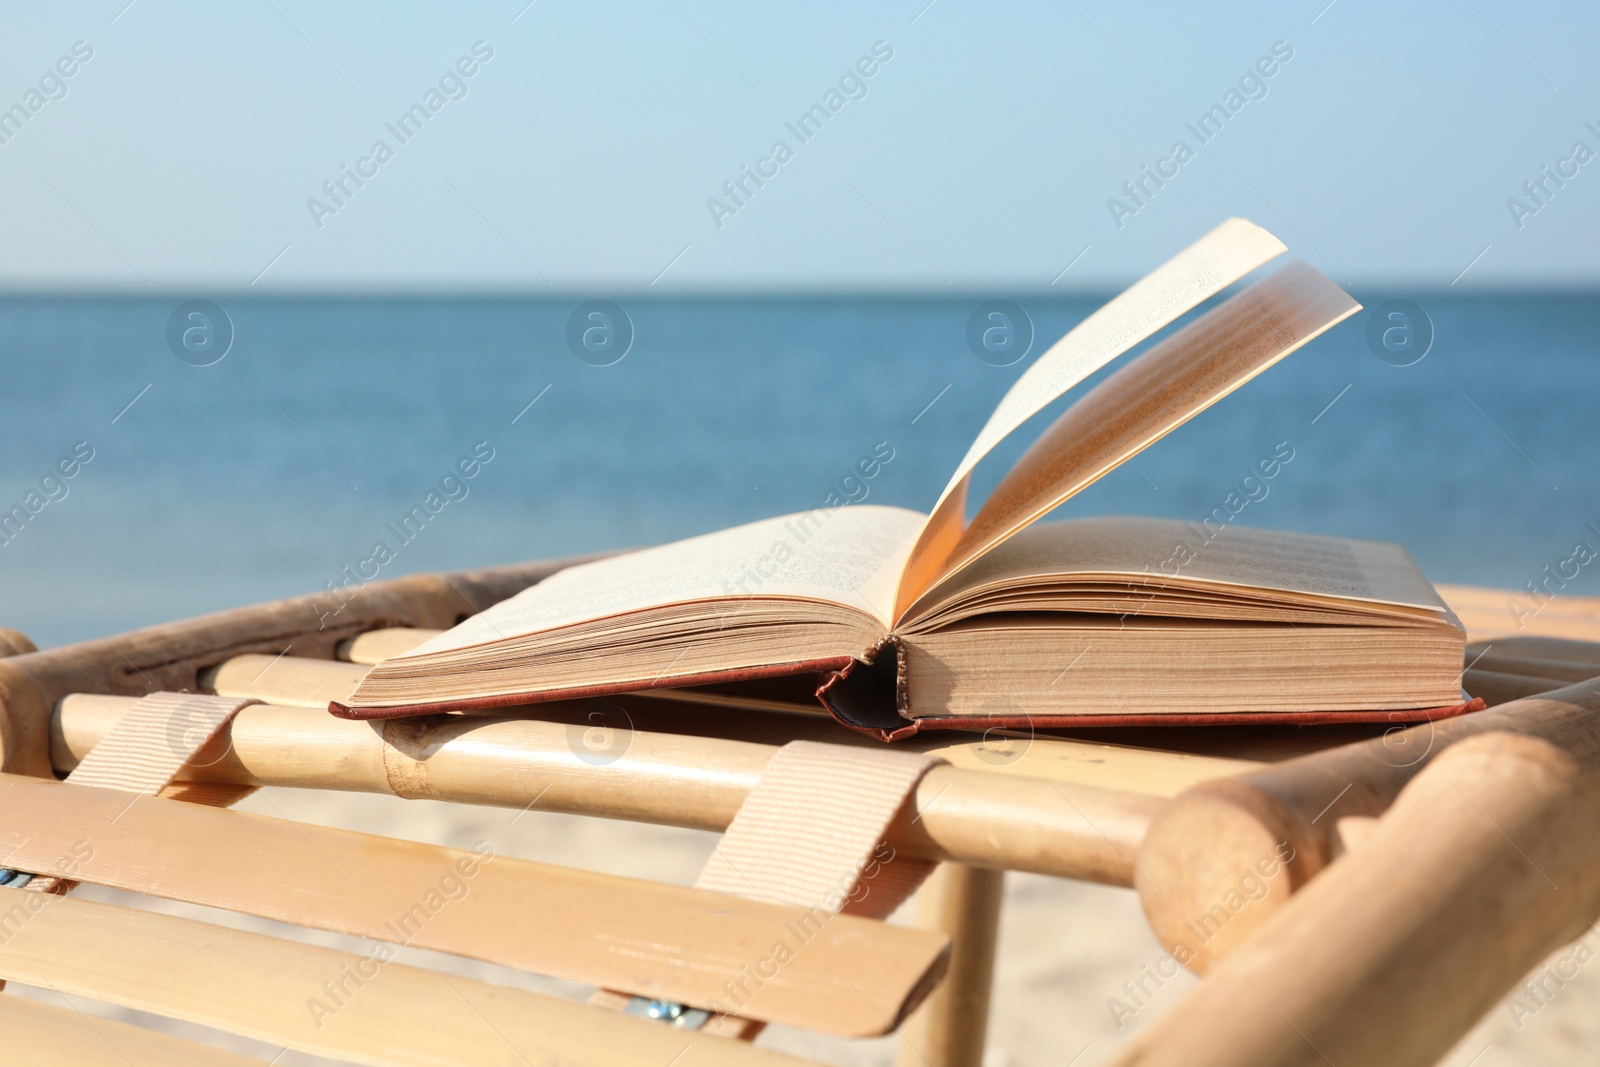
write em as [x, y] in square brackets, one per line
[1153, 395]
[1189, 278]
[849, 555]
[1170, 553]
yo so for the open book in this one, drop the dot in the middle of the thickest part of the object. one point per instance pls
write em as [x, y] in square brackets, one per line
[915, 620]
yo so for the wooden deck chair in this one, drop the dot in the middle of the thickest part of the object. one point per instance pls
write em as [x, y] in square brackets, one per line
[144, 810]
[693, 970]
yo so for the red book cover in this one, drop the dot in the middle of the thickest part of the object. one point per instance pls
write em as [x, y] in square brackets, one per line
[864, 697]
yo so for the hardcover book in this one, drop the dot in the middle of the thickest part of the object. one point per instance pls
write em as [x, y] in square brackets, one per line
[911, 620]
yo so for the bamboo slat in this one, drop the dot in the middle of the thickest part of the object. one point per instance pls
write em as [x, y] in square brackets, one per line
[363, 1009]
[1052, 827]
[1203, 846]
[293, 680]
[33, 1032]
[854, 977]
[1488, 862]
[375, 646]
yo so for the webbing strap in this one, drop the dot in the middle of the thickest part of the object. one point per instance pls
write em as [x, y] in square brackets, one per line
[151, 743]
[811, 834]
[147, 747]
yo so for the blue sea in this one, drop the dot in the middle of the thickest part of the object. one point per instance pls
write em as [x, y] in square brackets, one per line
[268, 472]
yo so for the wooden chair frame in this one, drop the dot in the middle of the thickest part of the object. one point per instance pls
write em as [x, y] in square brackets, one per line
[1097, 808]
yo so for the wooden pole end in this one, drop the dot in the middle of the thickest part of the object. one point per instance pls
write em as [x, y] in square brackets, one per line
[1216, 863]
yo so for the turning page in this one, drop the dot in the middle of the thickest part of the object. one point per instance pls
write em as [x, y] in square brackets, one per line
[1185, 281]
[1153, 395]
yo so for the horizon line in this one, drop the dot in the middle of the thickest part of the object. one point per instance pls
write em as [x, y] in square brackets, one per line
[1431, 288]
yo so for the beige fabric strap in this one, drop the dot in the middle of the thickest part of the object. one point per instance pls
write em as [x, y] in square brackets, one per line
[144, 751]
[811, 834]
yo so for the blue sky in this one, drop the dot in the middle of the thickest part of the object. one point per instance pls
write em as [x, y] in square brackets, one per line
[581, 156]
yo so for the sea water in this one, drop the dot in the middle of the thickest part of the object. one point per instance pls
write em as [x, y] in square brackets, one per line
[331, 426]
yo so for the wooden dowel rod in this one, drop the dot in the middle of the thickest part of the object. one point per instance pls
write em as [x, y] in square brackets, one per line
[1208, 839]
[294, 680]
[310, 683]
[1535, 667]
[1552, 648]
[375, 646]
[950, 1028]
[1488, 862]
[1493, 687]
[1054, 828]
